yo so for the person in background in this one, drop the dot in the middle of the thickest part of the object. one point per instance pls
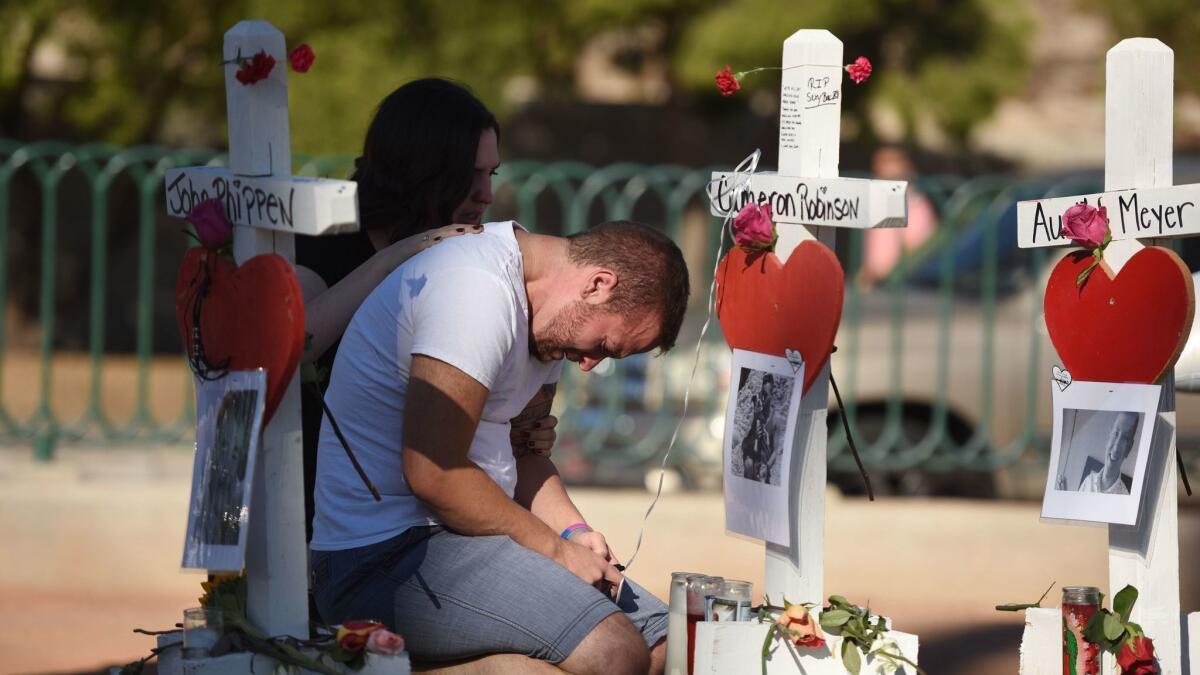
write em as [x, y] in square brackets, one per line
[882, 246]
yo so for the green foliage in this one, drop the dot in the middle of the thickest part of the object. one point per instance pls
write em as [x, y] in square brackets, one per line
[1111, 630]
[150, 72]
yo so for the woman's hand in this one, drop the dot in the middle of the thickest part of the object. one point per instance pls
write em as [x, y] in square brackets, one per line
[535, 438]
[419, 242]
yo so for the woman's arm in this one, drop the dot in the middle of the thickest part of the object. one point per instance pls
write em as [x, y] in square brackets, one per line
[328, 309]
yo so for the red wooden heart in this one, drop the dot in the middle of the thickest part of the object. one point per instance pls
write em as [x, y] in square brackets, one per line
[768, 307]
[252, 315]
[1130, 328]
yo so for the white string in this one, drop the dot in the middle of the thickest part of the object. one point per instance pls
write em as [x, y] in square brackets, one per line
[740, 180]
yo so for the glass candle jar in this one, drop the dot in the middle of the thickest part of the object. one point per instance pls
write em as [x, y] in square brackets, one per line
[202, 627]
[1079, 603]
[700, 590]
[732, 602]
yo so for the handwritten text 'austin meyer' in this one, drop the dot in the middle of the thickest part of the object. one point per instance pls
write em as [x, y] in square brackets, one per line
[1131, 218]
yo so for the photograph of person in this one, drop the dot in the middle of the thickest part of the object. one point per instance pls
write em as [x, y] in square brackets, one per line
[760, 419]
[1103, 440]
[223, 502]
[229, 422]
[1107, 467]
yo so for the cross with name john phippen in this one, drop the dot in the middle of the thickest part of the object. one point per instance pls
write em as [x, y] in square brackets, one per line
[808, 200]
[1141, 203]
[267, 207]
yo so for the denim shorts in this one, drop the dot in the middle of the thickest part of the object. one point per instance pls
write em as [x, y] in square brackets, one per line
[455, 597]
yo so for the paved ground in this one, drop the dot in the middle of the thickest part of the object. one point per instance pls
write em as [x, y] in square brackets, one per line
[91, 547]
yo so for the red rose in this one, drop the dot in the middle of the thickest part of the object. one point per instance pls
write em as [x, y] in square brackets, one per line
[860, 70]
[1137, 657]
[301, 58]
[256, 68]
[726, 82]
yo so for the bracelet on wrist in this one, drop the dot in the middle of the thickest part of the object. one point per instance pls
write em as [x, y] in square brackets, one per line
[572, 529]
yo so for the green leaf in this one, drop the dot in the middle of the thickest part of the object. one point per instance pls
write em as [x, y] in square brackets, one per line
[834, 618]
[1113, 627]
[851, 659]
[838, 601]
[1093, 631]
[1123, 602]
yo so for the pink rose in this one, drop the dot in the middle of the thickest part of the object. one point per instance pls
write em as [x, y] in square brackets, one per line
[384, 641]
[752, 227]
[208, 217]
[1086, 225]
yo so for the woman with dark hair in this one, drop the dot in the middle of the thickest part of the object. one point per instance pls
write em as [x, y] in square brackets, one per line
[425, 174]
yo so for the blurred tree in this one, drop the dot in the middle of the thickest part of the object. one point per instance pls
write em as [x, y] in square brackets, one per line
[1175, 22]
[945, 62]
[141, 72]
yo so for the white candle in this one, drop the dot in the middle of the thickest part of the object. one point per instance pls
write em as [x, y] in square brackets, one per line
[677, 639]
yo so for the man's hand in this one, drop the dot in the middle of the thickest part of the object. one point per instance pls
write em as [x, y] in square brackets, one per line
[586, 564]
[596, 542]
[536, 437]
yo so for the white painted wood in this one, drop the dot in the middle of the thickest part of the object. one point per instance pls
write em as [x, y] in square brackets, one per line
[259, 145]
[810, 106]
[1132, 214]
[1138, 129]
[295, 204]
[736, 647]
[836, 202]
[1191, 654]
[1041, 645]
[797, 572]
[268, 205]
[1139, 103]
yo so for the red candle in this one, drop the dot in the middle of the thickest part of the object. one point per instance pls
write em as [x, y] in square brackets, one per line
[1079, 604]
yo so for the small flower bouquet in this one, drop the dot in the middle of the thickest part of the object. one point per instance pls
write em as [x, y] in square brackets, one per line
[863, 637]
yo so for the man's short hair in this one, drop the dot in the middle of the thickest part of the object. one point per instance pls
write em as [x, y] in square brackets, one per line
[651, 272]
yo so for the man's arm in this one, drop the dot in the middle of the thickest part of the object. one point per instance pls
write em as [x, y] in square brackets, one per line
[539, 487]
[442, 410]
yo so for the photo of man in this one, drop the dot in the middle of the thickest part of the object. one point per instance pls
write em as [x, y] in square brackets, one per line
[1102, 468]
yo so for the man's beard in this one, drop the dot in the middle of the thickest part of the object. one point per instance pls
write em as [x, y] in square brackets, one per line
[560, 332]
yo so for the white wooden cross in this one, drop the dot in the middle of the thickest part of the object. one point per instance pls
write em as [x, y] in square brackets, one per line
[268, 206]
[1142, 204]
[808, 200]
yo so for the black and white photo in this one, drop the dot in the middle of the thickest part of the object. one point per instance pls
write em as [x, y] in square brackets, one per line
[760, 422]
[1102, 438]
[229, 422]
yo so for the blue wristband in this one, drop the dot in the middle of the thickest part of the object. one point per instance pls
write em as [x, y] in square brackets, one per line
[577, 527]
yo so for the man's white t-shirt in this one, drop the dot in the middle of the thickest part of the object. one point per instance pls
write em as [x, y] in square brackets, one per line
[462, 302]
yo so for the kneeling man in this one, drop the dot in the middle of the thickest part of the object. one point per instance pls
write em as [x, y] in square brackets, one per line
[477, 557]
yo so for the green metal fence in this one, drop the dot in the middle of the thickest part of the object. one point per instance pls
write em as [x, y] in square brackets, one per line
[617, 420]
